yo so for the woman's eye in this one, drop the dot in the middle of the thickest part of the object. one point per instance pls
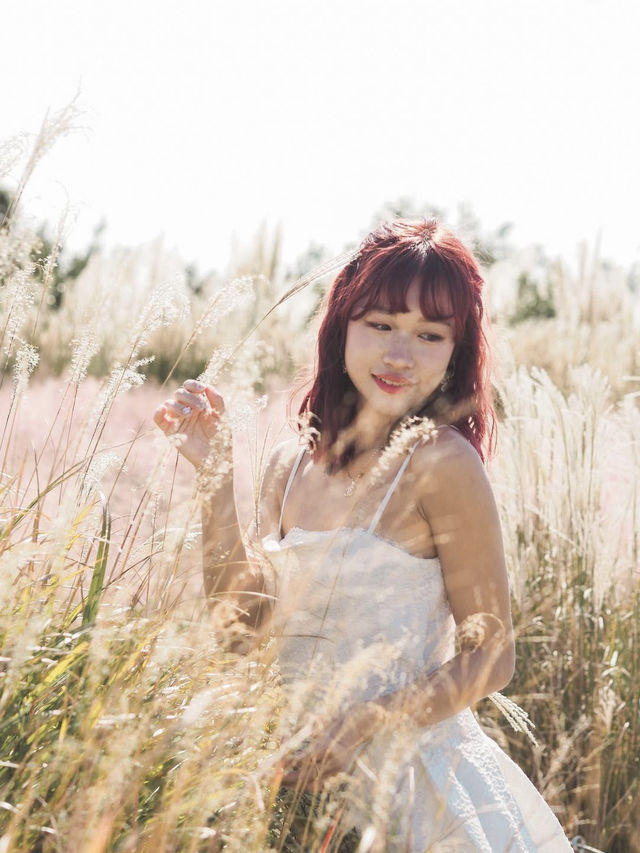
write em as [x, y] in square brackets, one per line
[431, 337]
[381, 327]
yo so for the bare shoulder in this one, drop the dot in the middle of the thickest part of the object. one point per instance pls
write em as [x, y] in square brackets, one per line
[280, 460]
[448, 468]
[273, 483]
[457, 502]
[447, 450]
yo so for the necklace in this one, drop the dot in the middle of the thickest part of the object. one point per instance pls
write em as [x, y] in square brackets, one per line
[353, 485]
[348, 492]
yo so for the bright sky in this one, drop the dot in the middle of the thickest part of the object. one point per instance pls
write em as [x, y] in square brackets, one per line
[204, 118]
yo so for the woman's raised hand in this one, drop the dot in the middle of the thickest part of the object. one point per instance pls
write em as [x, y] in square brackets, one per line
[194, 411]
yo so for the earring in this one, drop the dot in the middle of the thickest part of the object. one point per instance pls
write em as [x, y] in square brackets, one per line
[344, 367]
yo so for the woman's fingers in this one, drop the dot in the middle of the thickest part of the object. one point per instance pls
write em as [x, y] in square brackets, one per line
[194, 385]
[333, 751]
[192, 401]
[199, 397]
[311, 776]
[188, 400]
[312, 768]
[215, 400]
[194, 411]
[177, 409]
[308, 777]
[197, 388]
[160, 418]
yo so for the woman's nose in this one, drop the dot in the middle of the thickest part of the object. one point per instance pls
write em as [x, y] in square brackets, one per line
[398, 353]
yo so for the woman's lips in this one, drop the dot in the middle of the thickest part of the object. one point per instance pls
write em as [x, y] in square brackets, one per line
[391, 384]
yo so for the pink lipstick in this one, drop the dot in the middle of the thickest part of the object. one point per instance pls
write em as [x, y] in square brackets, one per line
[390, 383]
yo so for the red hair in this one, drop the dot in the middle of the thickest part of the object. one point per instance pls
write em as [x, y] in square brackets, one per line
[390, 259]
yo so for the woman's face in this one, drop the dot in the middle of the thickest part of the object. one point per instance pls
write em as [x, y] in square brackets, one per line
[396, 361]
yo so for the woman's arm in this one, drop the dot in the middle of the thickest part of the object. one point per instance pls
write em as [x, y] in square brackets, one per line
[195, 412]
[458, 504]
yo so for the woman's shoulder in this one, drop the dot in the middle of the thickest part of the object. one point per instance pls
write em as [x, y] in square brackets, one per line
[273, 481]
[280, 461]
[444, 447]
[283, 455]
[446, 462]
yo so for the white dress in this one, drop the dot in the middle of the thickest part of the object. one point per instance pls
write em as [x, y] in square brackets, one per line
[359, 617]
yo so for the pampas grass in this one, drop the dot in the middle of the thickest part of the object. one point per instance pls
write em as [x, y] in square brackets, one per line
[126, 722]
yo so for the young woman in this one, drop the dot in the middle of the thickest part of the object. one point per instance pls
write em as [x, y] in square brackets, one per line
[391, 595]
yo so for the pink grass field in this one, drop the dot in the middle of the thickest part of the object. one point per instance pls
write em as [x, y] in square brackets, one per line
[42, 430]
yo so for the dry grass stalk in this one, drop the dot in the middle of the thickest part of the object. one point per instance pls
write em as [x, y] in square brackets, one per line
[126, 722]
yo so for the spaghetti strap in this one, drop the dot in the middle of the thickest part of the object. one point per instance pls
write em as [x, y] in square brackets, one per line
[385, 500]
[294, 468]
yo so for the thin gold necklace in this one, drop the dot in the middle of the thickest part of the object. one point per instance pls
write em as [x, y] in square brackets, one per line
[348, 492]
[353, 485]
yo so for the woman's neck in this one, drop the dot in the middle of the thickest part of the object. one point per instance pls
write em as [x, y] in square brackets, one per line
[368, 432]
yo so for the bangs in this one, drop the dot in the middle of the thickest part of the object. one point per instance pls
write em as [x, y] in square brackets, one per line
[443, 292]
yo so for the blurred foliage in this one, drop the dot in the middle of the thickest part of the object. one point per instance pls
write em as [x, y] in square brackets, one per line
[66, 269]
[551, 317]
[531, 302]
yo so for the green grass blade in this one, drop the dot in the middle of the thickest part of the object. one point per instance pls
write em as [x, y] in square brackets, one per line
[97, 578]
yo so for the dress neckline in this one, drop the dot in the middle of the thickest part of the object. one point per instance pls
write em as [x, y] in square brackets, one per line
[338, 531]
[381, 507]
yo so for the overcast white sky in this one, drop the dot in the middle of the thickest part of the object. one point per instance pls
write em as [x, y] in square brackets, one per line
[203, 119]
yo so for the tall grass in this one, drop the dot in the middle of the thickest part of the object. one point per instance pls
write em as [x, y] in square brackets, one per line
[596, 317]
[126, 723]
[568, 486]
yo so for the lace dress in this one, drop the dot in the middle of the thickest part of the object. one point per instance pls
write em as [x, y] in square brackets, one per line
[359, 616]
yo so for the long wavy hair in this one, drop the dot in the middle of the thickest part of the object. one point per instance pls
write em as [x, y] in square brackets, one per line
[389, 260]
